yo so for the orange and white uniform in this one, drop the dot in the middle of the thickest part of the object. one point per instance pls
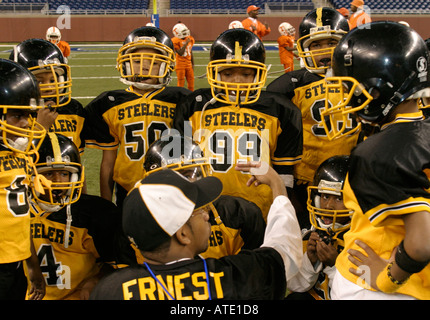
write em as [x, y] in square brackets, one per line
[64, 47]
[286, 56]
[184, 62]
[256, 27]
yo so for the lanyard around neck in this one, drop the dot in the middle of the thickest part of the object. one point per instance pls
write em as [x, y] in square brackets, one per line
[168, 293]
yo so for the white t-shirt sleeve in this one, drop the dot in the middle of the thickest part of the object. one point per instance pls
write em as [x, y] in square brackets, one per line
[283, 235]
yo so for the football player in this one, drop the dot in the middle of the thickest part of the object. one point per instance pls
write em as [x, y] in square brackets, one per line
[167, 218]
[319, 33]
[46, 62]
[20, 138]
[73, 233]
[286, 45]
[123, 123]
[236, 223]
[53, 35]
[330, 219]
[383, 71]
[183, 43]
[235, 121]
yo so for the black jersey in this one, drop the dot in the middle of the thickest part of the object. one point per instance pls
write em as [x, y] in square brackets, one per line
[236, 224]
[251, 274]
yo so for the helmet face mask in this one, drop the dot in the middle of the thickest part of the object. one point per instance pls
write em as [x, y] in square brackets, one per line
[373, 85]
[147, 54]
[329, 220]
[19, 101]
[237, 49]
[53, 35]
[19, 139]
[318, 25]
[57, 89]
[327, 211]
[58, 153]
[47, 63]
[336, 113]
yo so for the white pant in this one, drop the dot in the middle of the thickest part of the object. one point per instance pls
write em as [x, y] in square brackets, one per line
[343, 289]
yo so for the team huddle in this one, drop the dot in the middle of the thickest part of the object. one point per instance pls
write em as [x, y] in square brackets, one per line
[315, 188]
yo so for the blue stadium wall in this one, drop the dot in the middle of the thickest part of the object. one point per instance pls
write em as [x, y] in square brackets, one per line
[204, 28]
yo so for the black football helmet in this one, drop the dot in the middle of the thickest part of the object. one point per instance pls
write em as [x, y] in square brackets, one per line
[318, 24]
[40, 56]
[237, 48]
[19, 93]
[178, 153]
[58, 152]
[131, 64]
[329, 179]
[375, 69]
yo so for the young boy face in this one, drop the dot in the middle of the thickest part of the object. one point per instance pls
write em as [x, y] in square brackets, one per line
[238, 75]
[56, 176]
[17, 118]
[142, 66]
[321, 56]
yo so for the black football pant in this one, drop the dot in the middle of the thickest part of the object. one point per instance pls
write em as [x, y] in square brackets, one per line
[13, 283]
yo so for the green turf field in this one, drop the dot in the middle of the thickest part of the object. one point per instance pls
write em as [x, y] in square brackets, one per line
[93, 71]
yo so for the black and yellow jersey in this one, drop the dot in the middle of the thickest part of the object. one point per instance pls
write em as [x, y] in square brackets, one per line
[388, 178]
[70, 123]
[91, 243]
[129, 122]
[307, 91]
[251, 274]
[268, 130]
[14, 208]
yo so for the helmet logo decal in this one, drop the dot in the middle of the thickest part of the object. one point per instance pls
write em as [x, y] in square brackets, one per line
[422, 68]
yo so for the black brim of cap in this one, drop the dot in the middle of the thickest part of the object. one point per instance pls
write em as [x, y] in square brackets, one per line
[209, 189]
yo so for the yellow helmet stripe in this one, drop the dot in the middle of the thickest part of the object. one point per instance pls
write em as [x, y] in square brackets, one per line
[237, 51]
[55, 147]
[319, 17]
